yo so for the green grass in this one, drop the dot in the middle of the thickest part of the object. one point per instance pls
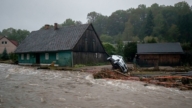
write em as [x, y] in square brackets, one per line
[79, 65]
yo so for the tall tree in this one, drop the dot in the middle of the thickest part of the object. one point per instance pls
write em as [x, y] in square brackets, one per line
[1, 33]
[184, 21]
[106, 38]
[4, 55]
[128, 32]
[120, 47]
[173, 34]
[130, 50]
[150, 39]
[92, 16]
[182, 8]
[15, 34]
[116, 22]
[159, 26]
[68, 22]
[149, 24]
[99, 22]
[137, 19]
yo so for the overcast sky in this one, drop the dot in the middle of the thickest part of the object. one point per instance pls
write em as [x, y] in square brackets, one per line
[33, 14]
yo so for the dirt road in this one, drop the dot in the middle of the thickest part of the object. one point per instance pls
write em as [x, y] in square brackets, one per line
[27, 87]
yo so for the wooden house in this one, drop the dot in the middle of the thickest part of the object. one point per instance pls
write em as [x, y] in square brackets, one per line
[66, 46]
[162, 54]
[9, 45]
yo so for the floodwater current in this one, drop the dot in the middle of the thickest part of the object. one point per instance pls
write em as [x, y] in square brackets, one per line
[28, 87]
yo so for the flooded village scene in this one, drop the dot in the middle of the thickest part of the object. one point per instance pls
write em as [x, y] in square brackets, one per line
[96, 54]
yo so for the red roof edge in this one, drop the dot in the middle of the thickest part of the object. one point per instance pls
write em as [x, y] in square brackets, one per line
[14, 42]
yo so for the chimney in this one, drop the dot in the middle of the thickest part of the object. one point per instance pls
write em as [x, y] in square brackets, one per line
[47, 26]
[55, 26]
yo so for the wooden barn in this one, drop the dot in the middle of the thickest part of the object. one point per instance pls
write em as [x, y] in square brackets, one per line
[66, 46]
[162, 54]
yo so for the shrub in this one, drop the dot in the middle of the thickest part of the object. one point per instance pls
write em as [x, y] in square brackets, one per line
[13, 57]
[4, 55]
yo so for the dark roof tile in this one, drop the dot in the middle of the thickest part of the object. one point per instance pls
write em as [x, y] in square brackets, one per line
[159, 48]
[64, 38]
[14, 42]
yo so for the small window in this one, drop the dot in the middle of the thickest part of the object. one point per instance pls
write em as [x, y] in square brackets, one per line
[46, 56]
[28, 56]
[5, 42]
[2, 42]
[57, 56]
[22, 56]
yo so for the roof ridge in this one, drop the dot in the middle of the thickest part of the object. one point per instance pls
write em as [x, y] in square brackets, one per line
[75, 25]
[64, 38]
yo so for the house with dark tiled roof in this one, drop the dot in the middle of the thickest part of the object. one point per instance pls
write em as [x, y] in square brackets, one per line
[163, 54]
[9, 45]
[66, 46]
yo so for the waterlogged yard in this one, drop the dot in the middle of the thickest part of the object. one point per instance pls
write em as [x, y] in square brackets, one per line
[27, 87]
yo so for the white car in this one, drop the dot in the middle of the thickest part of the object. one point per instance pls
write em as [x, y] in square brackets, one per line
[117, 62]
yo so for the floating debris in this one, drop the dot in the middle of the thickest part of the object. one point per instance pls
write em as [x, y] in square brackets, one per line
[177, 81]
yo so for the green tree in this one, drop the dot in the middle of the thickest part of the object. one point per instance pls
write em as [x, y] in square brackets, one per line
[14, 34]
[128, 32]
[182, 8]
[92, 16]
[109, 48]
[116, 22]
[186, 46]
[68, 22]
[135, 39]
[1, 33]
[4, 55]
[159, 25]
[99, 22]
[173, 34]
[185, 27]
[106, 38]
[78, 22]
[149, 24]
[130, 50]
[120, 47]
[13, 57]
[150, 39]
[137, 19]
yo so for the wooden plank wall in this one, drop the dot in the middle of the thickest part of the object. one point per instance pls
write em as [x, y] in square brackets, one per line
[89, 58]
[162, 59]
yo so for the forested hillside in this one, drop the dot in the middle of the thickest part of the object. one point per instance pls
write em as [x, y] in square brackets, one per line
[163, 23]
[157, 22]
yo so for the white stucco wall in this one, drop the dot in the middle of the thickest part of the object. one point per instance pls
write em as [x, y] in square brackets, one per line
[10, 47]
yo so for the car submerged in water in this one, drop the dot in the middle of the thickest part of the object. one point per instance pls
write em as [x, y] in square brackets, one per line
[118, 63]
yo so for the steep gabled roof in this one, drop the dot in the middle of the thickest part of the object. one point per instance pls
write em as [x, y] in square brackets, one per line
[64, 38]
[159, 48]
[12, 41]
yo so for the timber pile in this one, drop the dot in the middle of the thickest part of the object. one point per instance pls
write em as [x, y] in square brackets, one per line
[181, 82]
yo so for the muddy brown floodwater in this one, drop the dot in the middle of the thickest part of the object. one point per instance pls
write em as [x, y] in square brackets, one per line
[27, 87]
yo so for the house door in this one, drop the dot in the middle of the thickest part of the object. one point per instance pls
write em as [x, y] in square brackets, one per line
[37, 58]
